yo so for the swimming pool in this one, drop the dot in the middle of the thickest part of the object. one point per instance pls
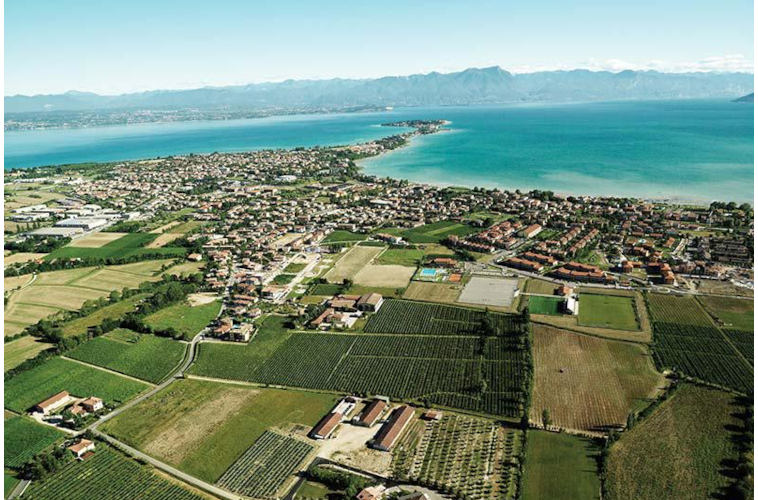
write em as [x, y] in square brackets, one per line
[428, 272]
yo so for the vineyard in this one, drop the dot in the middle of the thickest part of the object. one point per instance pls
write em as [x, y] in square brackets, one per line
[677, 309]
[478, 374]
[24, 438]
[703, 353]
[470, 458]
[265, 466]
[107, 475]
[402, 316]
[147, 357]
[743, 341]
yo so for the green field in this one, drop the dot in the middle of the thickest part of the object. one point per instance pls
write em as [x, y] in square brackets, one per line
[112, 311]
[410, 257]
[545, 305]
[146, 357]
[438, 231]
[676, 452]
[294, 267]
[10, 482]
[203, 427]
[184, 318]
[326, 289]
[32, 386]
[313, 491]
[241, 361]
[560, 466]
[733, 313]
[19, 350]
[108, 475]
[126, 246]
[683, 310]
[24, 438]
[343, 236]
[282, 279]
[607, 311]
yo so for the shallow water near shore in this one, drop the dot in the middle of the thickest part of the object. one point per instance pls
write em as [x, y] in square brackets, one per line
[688, 150]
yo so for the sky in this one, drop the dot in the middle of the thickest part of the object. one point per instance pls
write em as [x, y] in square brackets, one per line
[112, 47]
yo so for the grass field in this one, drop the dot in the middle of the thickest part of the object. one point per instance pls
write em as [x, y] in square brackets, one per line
[146, 357]
[235, 361]
[20, 257]
[560, 466]
[410, 257]
[112, 476]
[676, 452]
[544, 305]
[18, 351]
[343, 236]
[607, 311]
[731, 312]
[325, 289]
[203, 427]
[112, 311]
[96, 240]
[184, 318]
[54, 291]
[24, 438]
[127, 245]
[432, 292]
[540, 286]
[10, 480]
[600, 383]
[436, 232]
[185, 268]
[384, 276]
[351, 263]
[32, 386]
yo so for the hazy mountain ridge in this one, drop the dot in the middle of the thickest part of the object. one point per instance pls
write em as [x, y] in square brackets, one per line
[472, 86]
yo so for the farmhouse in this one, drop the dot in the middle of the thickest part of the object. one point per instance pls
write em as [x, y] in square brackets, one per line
[370, 302]
[82, 447]
[371, 413]
[391, 430]
[326, 426]
[53, 402]
[371, 493]
[92, 404]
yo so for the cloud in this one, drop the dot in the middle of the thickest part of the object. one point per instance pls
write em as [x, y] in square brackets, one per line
[727, 63]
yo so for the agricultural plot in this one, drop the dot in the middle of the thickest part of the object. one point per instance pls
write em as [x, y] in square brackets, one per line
[438, 231]
[702, 352]
[145, 356]
[474, 457]
[113, 311]
[21, 257]
[24, 438]
[432, 292]
[340, 236]
[588, 383]
[545, 305]
[325, 289]
[679, 450]
[265, 466]
[112, 476]
[384, 276]
[96, 240]
[540, 286]
[403, 316]
[203, 427]
[186, 319]
[19, 350]
[125, 246]
[683, 310]
[485, 291]
[607, 311]
[32, 386]
[730, 312]
[560, 466]
[740, 339]
[185, 268]
[351, 263]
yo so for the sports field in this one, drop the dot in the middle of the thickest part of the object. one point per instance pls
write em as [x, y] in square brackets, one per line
[730, 312]
[186, 319]
[202, 427]
[19, 350]
[384, 276]
[32, 386]
[52, 292]
[410, 257]
[560, 466]
[486, 291]
[679, 451]
[607, 311]
[589, 383]
[544, 305]
[351, 263]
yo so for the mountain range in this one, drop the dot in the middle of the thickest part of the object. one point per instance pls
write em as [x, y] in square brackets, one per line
[491, 85]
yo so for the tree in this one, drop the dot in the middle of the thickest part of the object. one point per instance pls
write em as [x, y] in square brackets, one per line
[546, 421]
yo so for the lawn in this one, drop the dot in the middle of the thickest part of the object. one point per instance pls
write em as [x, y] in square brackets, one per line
[146, 357]
[32, 386]
[24, 438]
[18, 351]
[560, 466]
[343, 236]
[544, 305]
[184, 318]
[733, 313]
[589, 383]
[202, 427]
[235, 361]
[678, 451]
[607, 311]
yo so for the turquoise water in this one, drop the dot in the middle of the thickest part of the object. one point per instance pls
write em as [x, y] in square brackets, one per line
[690, 150]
